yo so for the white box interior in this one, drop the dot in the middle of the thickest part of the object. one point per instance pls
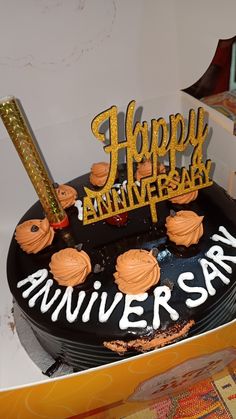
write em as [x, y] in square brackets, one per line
[68, 61]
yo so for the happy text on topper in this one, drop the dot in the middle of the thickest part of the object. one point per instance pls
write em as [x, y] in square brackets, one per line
[166, 140]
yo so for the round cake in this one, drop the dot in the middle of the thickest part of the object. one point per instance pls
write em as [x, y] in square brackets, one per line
[191, 288]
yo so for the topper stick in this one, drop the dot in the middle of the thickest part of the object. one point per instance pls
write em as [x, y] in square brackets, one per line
[20, 133]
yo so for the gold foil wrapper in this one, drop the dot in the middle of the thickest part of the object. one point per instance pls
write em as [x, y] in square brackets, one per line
[21, 136]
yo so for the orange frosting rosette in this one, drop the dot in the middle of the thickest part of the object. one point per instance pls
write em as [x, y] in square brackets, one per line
[70, 267]
[136, 271]
[144, 169]
[184, 228]
[34, 235]
[66, 195]
[99, 173]
[185, 198]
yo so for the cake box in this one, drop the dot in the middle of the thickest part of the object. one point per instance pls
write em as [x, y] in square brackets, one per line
[149, 376]
[124, 387]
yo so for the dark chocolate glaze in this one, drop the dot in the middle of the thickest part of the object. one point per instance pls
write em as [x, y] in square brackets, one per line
[80, 344]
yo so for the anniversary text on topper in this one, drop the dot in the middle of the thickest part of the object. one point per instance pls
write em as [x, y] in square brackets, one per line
[166, 140]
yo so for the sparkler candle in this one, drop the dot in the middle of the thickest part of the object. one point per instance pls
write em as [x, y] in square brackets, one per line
[20, 134]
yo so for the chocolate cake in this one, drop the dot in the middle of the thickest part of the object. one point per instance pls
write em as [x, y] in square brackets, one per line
[95, 323]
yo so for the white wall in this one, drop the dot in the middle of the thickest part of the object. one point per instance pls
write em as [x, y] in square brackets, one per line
[200, 24]
[67, 60]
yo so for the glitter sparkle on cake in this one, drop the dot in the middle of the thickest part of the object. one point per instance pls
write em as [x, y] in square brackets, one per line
[166, 140]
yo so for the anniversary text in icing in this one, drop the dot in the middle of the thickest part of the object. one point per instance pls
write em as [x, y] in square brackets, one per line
[62, 300]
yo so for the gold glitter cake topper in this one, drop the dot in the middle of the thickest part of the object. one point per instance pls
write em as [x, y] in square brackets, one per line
[166, 140]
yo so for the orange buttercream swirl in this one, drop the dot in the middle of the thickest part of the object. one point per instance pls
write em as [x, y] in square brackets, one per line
[67, 195]
[184, 228]
[70, 267]
[34, 235]
[136, 271]
[185, 198]
[99, 173]
[144, 169]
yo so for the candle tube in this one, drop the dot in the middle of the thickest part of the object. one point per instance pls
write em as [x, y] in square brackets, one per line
[20, 133]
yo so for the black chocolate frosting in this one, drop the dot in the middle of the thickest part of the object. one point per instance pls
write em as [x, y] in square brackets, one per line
[81, 344]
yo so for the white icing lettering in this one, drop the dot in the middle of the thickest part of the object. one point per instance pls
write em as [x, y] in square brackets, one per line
[63, 301]
[124, 321]
[210, 276]
[162, 300]
[86, 315]
[216, 253]
[71, 317]
[124, 185]
[45, 305]
[104, 315]
[162, 294]
[188, 276]
[97, 285]
[79, 206]
[35, 279]
[95, 205]
[227, 239]
[67, 300]
[116, 186]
